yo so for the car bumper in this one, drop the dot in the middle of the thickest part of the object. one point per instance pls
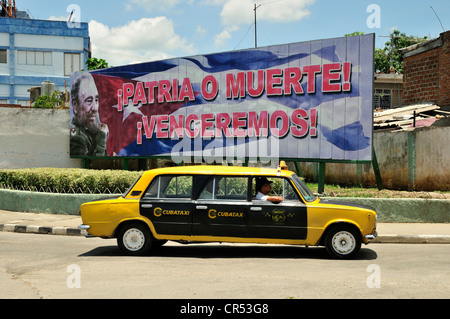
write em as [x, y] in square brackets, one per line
[85, 228]
[372, 236]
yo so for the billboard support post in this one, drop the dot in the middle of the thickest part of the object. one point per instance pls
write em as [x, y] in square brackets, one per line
[321, 186]
[376, 170]
[125, 164]
[298, 169]
[86, 162]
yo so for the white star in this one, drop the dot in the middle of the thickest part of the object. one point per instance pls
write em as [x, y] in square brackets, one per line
[131, 108]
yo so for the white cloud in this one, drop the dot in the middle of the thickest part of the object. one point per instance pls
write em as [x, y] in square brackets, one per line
[237, 12]
[285, 11]
[221, 38]
[150, 5]
[200, 32]
[141, 40]
[60, 18]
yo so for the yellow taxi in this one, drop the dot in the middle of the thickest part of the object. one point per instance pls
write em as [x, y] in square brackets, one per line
[227, 204]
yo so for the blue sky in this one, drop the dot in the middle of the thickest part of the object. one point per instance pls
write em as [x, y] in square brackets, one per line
[131, 31]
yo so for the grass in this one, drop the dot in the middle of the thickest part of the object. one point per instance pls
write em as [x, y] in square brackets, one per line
[340, 191]
[65, 180]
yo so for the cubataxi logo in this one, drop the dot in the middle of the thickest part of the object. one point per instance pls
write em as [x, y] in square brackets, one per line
[212, 213]
[158, 211]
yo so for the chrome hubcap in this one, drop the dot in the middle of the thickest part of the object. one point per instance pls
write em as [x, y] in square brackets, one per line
[343, 242]
[133, 239]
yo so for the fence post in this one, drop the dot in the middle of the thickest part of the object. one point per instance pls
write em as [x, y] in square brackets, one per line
[411, 140]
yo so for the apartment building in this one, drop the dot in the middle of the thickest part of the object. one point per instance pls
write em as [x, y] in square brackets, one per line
[33, 51]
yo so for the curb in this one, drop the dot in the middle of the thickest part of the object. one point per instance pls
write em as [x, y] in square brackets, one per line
[416, 239]
[56, 230]
[70, 231]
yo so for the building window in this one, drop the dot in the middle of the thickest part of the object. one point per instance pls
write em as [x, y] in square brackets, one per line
[3, 56]
[382, 99]
[72, 63]
[34, 58]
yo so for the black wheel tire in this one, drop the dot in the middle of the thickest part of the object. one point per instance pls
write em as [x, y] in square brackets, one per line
[134, 239]
[343, 242]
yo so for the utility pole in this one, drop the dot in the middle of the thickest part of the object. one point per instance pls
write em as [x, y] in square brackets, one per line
[8, 9]
[256, 36]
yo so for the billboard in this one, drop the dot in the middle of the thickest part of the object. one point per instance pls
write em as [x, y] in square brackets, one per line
[306, 100]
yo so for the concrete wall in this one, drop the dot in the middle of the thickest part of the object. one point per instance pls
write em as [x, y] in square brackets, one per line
[389, 210]
[413, 160]
[36, 202]
[432, 158]
[35, 138]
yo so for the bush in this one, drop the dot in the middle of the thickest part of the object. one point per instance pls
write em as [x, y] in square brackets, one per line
[48, 102]
[72, 180]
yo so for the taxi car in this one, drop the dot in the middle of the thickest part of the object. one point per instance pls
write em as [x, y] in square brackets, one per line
[208, 203]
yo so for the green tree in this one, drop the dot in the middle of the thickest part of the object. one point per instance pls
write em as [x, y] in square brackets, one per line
[95, 64]
[391, 55]
[382, 64]
[49, 102]
[354, 33]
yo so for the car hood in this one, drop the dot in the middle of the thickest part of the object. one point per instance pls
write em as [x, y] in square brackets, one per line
[345, 203]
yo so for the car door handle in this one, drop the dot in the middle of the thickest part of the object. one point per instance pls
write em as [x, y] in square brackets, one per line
[256, 209]
[146, 206]
[201, 207]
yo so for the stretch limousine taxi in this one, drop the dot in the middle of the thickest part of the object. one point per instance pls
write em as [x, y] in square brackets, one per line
[227, 204]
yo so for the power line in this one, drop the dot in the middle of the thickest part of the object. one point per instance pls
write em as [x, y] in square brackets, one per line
[248, 30]
[438, 18]
[255, 7]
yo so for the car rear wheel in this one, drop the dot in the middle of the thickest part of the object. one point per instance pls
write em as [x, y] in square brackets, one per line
[342, 242]
[134, 239]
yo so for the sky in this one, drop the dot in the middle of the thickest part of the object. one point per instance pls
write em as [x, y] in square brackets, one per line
[133, 31]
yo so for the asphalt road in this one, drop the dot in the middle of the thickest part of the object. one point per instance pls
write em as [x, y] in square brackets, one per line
[46, 266]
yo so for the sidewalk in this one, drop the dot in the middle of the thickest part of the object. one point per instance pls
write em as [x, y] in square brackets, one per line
[67, 225]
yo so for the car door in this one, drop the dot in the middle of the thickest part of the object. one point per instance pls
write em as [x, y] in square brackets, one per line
[221, 208]
[284, 220]
[168, 204]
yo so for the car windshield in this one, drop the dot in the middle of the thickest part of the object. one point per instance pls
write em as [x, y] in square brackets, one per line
[131, 187]
[304, 190]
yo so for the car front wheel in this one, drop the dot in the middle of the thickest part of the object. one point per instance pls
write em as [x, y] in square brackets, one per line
[134, 239]
[342, 242]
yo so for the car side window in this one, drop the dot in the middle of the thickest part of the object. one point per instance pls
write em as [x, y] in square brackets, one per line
[165, 186]
[225, 187]
[279, 187]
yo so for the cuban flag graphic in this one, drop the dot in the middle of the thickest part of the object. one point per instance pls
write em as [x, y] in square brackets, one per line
[314, 98]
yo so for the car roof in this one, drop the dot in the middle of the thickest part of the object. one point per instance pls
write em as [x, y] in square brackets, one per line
[219, 170]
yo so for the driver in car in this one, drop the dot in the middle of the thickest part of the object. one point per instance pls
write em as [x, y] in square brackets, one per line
[263, 188]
